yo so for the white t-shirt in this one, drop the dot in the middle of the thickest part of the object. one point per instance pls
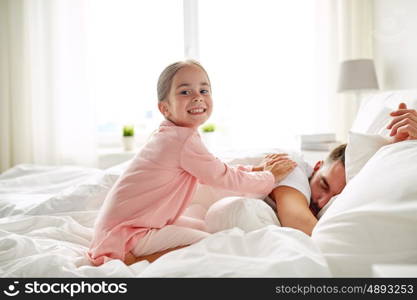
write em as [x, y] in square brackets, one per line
[297, 179]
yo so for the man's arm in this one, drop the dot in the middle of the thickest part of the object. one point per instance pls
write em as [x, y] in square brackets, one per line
[293, 210]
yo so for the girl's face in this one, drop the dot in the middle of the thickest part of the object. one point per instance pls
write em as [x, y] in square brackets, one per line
[189, 101]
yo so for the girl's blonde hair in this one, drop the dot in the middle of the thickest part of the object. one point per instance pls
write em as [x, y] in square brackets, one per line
[165, 79]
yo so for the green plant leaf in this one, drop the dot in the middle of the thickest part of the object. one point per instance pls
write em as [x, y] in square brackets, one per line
[209, 127]
[128, 130]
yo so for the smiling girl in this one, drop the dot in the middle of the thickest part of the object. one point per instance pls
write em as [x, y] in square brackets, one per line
[142, 213]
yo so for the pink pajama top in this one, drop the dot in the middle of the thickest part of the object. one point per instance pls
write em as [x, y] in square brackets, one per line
[157, 187]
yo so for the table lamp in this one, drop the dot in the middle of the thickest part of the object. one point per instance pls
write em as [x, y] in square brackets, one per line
[356, 76]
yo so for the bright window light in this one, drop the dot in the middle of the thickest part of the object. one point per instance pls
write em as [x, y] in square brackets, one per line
[260, 58]
[130, 42]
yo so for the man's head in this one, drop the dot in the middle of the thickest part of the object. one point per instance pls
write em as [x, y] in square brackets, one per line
[328, 178]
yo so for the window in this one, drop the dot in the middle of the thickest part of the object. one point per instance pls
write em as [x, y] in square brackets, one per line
[130, 42]
[260, 55]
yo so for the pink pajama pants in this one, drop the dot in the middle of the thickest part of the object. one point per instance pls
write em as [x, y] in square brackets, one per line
[188, 229]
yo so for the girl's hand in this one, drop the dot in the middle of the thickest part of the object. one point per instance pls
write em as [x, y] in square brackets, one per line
[269, 159]
[280, 167]
[404, 124]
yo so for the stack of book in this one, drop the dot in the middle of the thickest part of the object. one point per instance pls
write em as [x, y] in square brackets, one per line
[318, 142]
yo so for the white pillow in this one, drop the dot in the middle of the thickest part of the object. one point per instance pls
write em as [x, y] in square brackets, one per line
[374, 219]
[373, 115]
[360, 148]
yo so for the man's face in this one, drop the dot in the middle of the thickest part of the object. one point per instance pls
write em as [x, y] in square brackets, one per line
[328, 180]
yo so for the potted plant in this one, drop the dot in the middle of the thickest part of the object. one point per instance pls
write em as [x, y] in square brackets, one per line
[208, 127]
[128, 137]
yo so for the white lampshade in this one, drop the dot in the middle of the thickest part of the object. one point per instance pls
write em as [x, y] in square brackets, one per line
[357, 74]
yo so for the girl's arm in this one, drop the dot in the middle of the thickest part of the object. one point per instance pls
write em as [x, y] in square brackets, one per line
[196, 160]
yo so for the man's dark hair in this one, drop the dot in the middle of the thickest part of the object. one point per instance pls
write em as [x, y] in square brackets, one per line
[337, 153]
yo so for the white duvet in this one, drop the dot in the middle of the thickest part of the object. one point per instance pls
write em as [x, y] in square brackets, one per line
[46, 222]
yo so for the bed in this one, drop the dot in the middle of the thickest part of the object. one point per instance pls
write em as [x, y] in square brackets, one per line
[47, 215]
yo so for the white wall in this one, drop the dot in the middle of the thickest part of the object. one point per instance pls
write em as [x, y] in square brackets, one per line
[395, 43]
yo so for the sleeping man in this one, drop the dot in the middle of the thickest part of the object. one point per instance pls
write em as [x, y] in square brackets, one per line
[295, 201]
[328, 178]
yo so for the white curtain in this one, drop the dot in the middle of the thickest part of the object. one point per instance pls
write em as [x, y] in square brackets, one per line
[344, 32]
[46, 112]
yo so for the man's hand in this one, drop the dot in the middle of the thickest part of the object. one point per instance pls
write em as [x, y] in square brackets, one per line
[404, 124]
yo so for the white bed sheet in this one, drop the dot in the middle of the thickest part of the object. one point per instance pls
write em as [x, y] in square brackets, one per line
[46, 223]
